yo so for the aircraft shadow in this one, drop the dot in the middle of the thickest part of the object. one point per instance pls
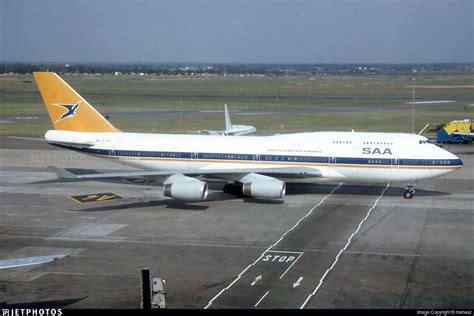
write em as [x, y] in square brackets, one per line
[114, 181]
[43, 304]
[292, 189]
[177, 204]
[215, 195]
[347, 189]
[77, 171]
[168, 203]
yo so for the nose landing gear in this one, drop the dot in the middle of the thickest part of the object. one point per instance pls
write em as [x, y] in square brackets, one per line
[409, 191]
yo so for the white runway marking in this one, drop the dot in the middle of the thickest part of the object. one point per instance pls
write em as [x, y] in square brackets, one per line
[431, 102]
[262, 298]
[115, 239]
[343, 249]
[191, 244]
[258, 113]
[291, 266]
[256, 280]
[298, 282]
[276, 243]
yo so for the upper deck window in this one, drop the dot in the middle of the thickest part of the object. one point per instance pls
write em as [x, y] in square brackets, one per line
[377, 143]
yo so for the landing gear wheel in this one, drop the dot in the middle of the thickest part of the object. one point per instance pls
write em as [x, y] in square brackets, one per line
[409, 193]
[234, 188]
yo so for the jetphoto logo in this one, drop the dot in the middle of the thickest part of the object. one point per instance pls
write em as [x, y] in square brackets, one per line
[32, 312]
[56, 157]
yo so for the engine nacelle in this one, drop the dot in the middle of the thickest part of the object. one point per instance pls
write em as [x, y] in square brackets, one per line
[267, 189]
[185, 188]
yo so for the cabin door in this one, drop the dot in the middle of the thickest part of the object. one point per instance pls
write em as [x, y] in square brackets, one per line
[256, 159]
[395, 163]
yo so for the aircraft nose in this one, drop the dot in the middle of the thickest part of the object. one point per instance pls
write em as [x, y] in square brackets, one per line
[455, 160]
[447, 157]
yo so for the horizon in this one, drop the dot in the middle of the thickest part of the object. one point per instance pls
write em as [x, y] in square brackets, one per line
[237, 31]
[38, 63]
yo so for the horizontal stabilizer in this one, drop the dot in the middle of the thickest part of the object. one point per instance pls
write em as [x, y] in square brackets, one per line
[63, 174]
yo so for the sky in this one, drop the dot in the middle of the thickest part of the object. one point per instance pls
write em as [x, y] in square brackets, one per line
[237, 31]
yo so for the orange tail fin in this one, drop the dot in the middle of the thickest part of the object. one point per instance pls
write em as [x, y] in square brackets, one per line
[67, 110]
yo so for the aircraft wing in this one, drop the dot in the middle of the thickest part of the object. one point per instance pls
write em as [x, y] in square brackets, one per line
[231, 174]
[21, 262]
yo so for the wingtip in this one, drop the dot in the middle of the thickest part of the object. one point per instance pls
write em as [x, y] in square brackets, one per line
[62, 173]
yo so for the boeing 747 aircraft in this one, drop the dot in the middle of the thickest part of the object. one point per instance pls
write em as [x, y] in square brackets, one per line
[256, 166]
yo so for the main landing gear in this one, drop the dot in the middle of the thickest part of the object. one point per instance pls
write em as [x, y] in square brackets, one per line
[409, 191]
[234, 188]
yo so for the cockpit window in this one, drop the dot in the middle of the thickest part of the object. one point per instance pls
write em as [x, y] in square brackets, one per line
[423, 142]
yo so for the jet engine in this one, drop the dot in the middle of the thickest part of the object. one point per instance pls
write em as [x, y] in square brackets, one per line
[185, 188]
[267, 189]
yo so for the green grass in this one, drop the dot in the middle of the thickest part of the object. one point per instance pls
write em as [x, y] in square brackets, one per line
[19, 97]
[269, 124]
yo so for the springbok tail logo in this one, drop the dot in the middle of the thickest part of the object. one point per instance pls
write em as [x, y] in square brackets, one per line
[67, 110]
[71, 110]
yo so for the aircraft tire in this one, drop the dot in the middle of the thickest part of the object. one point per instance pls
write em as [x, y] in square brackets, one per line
[408, 194]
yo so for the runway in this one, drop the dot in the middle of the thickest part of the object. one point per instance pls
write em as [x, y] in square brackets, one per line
[326, 246]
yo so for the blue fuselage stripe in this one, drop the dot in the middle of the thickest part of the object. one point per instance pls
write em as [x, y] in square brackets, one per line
[275, 158]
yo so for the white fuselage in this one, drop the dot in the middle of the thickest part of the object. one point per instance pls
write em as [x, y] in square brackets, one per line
[340, 156]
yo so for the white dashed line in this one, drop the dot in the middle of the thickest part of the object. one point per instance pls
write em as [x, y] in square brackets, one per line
[343, 249]
[276, 243]
[261, 298]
